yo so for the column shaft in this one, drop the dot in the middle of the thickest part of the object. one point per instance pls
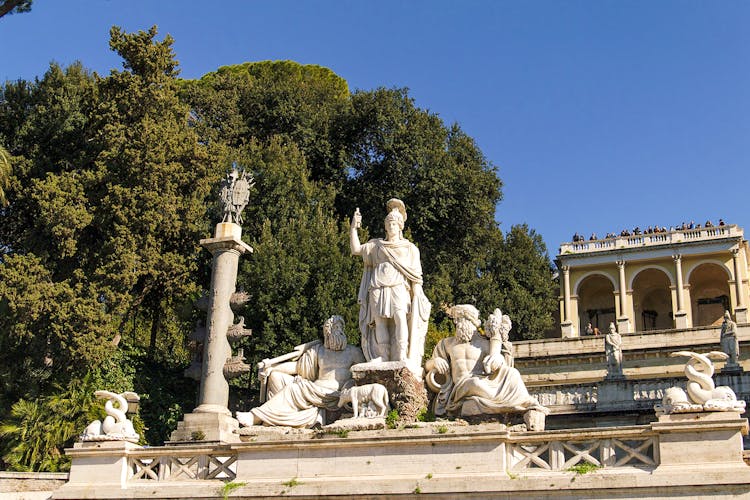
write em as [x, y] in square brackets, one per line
[738, 278]
[678, 274]
[214, 389]
[566, 293]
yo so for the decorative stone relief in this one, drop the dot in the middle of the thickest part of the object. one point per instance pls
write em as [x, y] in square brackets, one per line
[115, 426]
[701, 395]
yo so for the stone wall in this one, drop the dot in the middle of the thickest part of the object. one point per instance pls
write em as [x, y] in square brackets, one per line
[30, 485]
[645, 355]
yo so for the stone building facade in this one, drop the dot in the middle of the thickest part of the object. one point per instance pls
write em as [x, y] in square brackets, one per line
[673, 280]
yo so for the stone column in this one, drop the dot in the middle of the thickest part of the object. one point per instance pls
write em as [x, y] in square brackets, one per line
[740, 309]
[212, 420]
[214, 391]
[623, 322]
[680, 317]
[566, 325]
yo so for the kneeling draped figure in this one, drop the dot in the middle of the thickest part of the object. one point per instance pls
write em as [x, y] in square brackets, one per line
[305, 388]
[469, 373]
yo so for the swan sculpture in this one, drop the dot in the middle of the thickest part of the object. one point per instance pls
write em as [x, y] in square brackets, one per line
[115, 426]
[702, 394]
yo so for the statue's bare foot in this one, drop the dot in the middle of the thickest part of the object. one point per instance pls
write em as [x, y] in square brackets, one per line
[248, 418]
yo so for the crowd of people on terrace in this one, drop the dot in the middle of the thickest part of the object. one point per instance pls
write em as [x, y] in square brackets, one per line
[650, 230]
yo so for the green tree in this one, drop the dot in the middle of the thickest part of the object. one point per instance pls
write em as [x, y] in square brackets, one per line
[260, 100]
[5, 170]
[49, 330]
[525, 279]
[14, 6]
[152, 180]
[301, 272]
[107, 200]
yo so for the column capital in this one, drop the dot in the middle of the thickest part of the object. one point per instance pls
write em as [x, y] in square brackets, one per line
[565, 269]
[676, 257]
[735, 252]
[620, 263]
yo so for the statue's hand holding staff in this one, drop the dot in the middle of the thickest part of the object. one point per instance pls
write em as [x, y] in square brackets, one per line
[357, 219]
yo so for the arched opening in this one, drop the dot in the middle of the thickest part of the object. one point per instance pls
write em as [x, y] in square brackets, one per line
[596, 303]
[652, 300]
[709, 294]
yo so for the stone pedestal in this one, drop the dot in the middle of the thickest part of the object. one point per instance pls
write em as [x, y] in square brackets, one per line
[407, 394]
[740, 314]
[614, 393]
[206, 427]
[681, 320]
[706, 438]
[100, 461]
[623, 325]
[732, 369]
[567, 329]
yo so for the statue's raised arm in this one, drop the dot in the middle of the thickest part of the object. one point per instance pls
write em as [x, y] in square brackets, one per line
[393, 308]
[354, 225]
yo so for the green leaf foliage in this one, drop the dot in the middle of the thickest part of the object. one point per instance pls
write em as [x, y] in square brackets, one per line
[301, 272]
[108, 183]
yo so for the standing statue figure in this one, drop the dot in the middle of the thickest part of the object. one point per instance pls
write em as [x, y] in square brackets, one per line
[234, 194]
[613, 351]
[729, 343]
[306, 388]
[393, 310]
[499, 325]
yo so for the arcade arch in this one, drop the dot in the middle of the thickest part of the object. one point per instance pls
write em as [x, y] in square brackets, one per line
[709, 294]
[596, 302]
[652, 300]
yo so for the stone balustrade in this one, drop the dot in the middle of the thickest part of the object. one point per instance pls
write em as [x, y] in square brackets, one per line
[181, 464]
[685, 455]
[654, 239]
[561, 450]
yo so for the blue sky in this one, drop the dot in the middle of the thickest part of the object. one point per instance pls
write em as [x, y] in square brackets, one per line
[599, 115]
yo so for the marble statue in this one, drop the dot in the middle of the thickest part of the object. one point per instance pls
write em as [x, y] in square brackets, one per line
[116, 426]
[234, 195]
[702, 394]
[729, 343]
[469, 374]
[500, 324]
[374, 398]
[393, 311]
[613, 351]
[300, 391]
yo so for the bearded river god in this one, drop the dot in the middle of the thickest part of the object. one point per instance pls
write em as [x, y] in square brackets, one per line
[394, 311]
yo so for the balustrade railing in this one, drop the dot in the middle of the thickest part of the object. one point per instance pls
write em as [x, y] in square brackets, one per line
[653, 239]
[181, 466]
[618, 448]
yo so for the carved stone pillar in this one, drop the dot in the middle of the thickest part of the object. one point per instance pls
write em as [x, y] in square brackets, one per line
[740, 309]
[214, 390]
[623, 322]
[212, 420]
[680, 317]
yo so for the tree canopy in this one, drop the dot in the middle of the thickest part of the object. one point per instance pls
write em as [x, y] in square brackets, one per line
[108, 183]
[8, 7]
